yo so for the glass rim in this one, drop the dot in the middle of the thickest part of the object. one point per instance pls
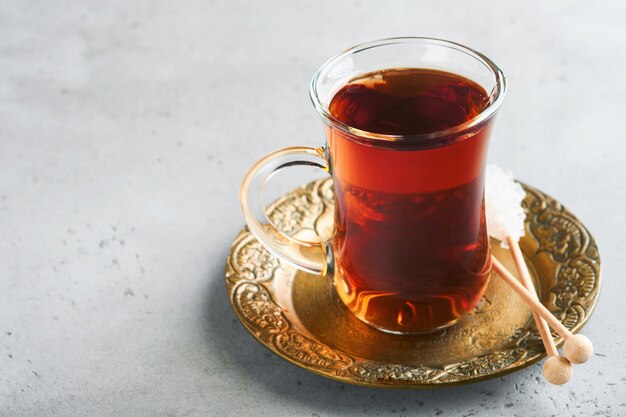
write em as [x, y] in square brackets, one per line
[484, 115]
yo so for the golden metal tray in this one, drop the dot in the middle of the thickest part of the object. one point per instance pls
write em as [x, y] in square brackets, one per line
[299, 317]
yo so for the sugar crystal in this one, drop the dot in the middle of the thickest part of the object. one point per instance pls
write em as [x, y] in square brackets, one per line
[503, 205]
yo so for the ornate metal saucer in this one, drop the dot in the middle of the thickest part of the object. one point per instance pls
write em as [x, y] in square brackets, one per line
[299, 317]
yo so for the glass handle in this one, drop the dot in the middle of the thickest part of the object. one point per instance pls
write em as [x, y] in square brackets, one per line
[313, 257]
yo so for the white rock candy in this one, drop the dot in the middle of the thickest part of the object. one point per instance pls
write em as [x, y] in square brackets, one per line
[503, 205]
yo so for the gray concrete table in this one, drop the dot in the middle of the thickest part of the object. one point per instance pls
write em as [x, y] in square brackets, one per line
[125, 130]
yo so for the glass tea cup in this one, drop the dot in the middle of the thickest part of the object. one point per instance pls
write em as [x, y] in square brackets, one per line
[407, 124]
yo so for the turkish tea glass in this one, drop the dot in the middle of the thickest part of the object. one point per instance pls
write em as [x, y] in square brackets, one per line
[409, 251]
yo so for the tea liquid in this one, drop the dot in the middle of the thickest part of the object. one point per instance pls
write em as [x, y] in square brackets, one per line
[410, 244]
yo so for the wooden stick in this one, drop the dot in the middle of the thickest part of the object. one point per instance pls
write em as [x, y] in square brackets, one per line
[557, 369]
[522, 268]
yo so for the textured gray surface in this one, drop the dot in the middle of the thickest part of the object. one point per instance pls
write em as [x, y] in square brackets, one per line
[125, 129]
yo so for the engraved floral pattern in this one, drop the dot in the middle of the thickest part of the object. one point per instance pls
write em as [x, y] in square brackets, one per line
[309, 352]
[258, 310]
[557, 233]
[567, 241]
[296, 211]
[394, 374]
[253, 262]
[325, 191]
[487, 363]
[576, 279]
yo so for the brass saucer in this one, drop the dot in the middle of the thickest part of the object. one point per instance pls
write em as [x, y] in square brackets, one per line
[300, 318]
